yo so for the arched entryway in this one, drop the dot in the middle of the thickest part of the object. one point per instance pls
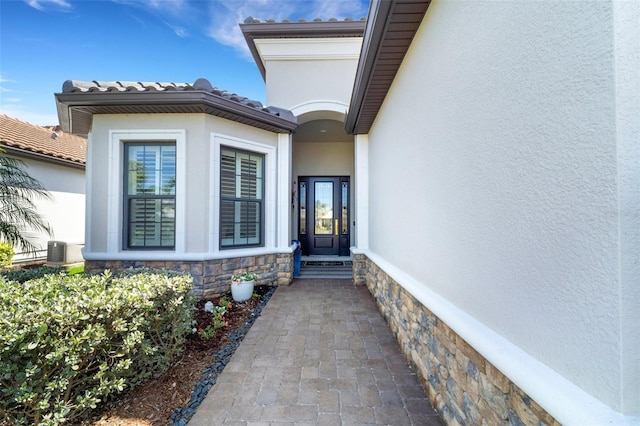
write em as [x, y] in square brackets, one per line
[323, 171]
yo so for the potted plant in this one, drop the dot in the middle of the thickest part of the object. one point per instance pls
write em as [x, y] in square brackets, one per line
[242, 286]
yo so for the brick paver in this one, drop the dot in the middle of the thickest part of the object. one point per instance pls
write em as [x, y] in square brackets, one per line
[320, 354]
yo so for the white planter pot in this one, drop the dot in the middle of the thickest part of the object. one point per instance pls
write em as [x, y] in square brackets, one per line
[241, 291]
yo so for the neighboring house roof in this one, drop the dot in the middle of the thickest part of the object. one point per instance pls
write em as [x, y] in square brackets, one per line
[254, 29]
[42, 143]
[79, 100]
[391, 26]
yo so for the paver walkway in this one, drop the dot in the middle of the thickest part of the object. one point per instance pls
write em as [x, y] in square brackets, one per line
[319, 354]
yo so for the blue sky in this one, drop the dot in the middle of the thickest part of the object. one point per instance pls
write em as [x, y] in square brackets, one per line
[45, 42]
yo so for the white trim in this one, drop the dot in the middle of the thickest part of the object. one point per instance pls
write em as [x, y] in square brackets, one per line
[566, 402]
[284, 192]
[117, 138]
[150, 255]
[88, 196]
[318, 109]
[270, 168]
[361, 146]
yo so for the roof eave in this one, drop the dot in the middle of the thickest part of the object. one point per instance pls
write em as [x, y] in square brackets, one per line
[47, 158]
[253, 30]
[72, 104]
[379, 22]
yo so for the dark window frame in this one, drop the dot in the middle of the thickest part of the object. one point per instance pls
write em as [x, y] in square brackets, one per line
[246, 201]
[128, 199]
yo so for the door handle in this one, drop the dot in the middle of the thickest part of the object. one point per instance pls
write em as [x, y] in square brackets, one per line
[335, 227]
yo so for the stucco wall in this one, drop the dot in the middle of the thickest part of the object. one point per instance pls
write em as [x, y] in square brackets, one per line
[300, 70]
[198, 189]
[494, 181]
[323, 159]
[64, 212]
[290, 83]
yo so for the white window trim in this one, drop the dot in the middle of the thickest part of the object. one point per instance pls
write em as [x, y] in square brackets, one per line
[269, 152]
[115, 219]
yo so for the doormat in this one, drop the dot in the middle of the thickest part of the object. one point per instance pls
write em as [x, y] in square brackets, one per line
[327, 263]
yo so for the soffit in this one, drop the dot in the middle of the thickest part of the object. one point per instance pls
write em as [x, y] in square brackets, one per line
[391, 26]
[323, 130]
[80, 100]
[308, 49]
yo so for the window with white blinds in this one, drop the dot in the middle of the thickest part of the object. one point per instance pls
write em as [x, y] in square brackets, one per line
[241, 198]
[150, 195]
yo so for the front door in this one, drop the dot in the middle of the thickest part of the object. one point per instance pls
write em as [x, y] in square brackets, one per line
[324, 215]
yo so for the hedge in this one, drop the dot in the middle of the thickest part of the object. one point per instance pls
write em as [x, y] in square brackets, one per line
[22, 275]
[68, 343]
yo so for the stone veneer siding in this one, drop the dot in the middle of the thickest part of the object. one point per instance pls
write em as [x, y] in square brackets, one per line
[211, 277]
[463, 386]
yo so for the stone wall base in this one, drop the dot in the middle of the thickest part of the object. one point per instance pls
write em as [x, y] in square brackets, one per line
[461, 384]
[211, 277]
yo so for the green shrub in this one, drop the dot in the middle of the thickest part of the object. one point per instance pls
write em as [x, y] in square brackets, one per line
[6, 254]
[22, 275]
[67, 343]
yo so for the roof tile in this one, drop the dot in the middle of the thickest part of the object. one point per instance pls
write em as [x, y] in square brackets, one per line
[75, 86]
[81, 100]
[49, 141]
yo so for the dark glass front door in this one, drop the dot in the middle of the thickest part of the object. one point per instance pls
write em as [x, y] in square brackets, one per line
[324, 215]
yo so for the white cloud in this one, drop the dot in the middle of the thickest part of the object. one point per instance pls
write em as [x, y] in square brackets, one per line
[45, 4]
[227, 14]
[3, 80]
[339, 9]
[222, 17]
[175, 8]
[178, 30]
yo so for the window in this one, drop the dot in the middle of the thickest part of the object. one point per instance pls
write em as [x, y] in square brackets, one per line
[241, 198]
[150, 195]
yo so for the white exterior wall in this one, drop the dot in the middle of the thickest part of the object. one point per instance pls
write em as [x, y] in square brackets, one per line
[314, 79]
[65, 210]
[504, 177]
[301, 71]
[196, 224]
[323, 159]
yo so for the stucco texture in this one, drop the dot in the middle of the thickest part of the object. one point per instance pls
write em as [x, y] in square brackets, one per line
[500, 189]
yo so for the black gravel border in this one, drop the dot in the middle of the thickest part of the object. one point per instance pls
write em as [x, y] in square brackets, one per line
[181, 416]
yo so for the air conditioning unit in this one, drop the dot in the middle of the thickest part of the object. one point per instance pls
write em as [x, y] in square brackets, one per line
[62, 253]
[56, 252]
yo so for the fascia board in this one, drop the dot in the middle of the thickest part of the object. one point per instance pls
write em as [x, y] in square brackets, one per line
[254, 31]
[20, 152]
[105, 99]
[377, 23]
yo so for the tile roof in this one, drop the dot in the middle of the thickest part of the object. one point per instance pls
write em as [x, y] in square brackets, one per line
[79, 100]
[73, 86]
[47, 143]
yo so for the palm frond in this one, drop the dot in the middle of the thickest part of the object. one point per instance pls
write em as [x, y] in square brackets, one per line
[19, 219]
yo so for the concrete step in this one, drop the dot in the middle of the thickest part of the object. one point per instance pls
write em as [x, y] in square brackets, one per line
[329, 272]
